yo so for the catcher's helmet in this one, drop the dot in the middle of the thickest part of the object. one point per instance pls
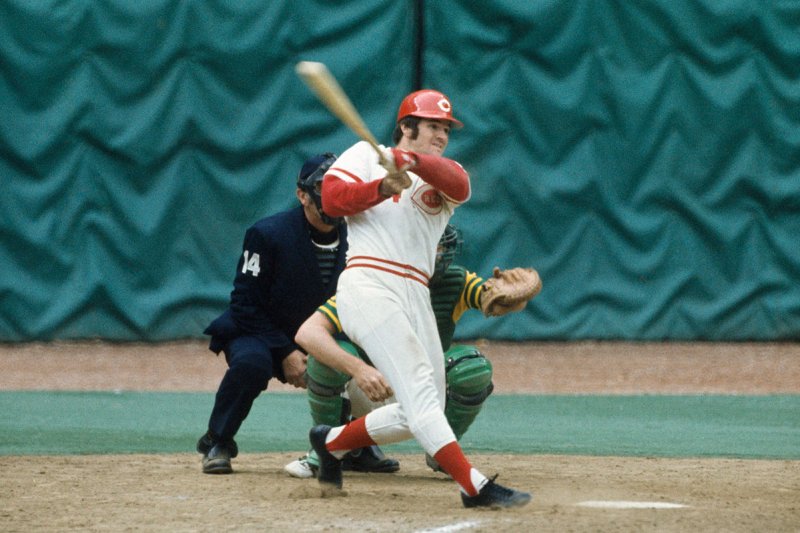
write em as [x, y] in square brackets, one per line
[449, 247]
[310, 180]
[428, 103]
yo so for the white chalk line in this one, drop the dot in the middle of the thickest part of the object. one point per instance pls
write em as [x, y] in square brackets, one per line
[458, 526]
[596, 504]
[621, 504]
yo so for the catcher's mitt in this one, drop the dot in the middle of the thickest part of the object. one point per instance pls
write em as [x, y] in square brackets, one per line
[509, 290]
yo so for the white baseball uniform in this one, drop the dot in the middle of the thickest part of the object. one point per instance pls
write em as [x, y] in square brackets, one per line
[384, 303]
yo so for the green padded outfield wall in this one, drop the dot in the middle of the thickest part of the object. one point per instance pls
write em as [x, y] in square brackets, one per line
[139, 139]
[644, 156]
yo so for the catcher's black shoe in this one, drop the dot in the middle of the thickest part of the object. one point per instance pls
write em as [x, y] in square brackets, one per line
[369, 459]
[217, 460]
[330, 468]
[496, 496]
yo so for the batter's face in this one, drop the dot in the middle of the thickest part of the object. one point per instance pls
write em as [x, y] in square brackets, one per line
[432, 139]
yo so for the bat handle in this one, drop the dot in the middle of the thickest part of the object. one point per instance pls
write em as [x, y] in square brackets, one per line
[385, 163]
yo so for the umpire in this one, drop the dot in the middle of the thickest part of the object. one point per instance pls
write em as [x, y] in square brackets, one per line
[290, 264]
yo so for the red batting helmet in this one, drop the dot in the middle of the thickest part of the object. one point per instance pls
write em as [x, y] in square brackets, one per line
[427, 103]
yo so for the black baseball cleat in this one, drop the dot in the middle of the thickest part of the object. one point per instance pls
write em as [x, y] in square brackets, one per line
[496, 497]
[369, 459]
[330, 468]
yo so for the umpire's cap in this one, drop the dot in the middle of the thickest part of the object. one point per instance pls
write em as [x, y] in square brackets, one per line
[313, 170]
[310, 181]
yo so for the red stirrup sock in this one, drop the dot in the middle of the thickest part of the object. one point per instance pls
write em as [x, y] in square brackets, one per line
[352, 436]
[452, 460]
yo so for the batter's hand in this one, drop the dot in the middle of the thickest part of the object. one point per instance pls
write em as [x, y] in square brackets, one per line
[396, 162]
[294, 369]
[372, 383]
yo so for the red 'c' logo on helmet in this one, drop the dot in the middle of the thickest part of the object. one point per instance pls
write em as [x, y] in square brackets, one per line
[444, 105]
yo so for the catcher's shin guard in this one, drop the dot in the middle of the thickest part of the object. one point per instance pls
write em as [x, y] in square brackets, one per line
[469, 383]
[325, 387]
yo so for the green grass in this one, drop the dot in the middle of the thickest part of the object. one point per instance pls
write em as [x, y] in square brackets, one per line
[768, 427]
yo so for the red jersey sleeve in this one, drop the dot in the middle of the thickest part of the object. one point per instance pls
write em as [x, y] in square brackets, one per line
[444, 174]
[341, 198]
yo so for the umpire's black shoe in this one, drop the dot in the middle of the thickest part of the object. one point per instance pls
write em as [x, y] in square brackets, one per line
[369, 459]
[217, 454]
[496, 496]
[217, 460]
[205, 443]
[330, 468]
[208, 441]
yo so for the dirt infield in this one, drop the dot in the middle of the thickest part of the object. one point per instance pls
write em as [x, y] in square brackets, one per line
[528, 368]
[571, 493]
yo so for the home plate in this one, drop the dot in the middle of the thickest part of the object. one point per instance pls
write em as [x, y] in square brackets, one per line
[618, 504]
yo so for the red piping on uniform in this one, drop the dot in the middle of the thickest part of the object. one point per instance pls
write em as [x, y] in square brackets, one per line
[396, 273]
[410, 271]
[393, 263]
[343, 171]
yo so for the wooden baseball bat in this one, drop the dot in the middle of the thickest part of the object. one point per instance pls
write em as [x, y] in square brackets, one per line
[321, 81]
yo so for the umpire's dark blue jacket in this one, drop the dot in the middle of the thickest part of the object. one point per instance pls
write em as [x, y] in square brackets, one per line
[277, 286]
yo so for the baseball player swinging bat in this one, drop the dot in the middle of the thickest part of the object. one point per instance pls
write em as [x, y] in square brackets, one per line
[321, 81]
